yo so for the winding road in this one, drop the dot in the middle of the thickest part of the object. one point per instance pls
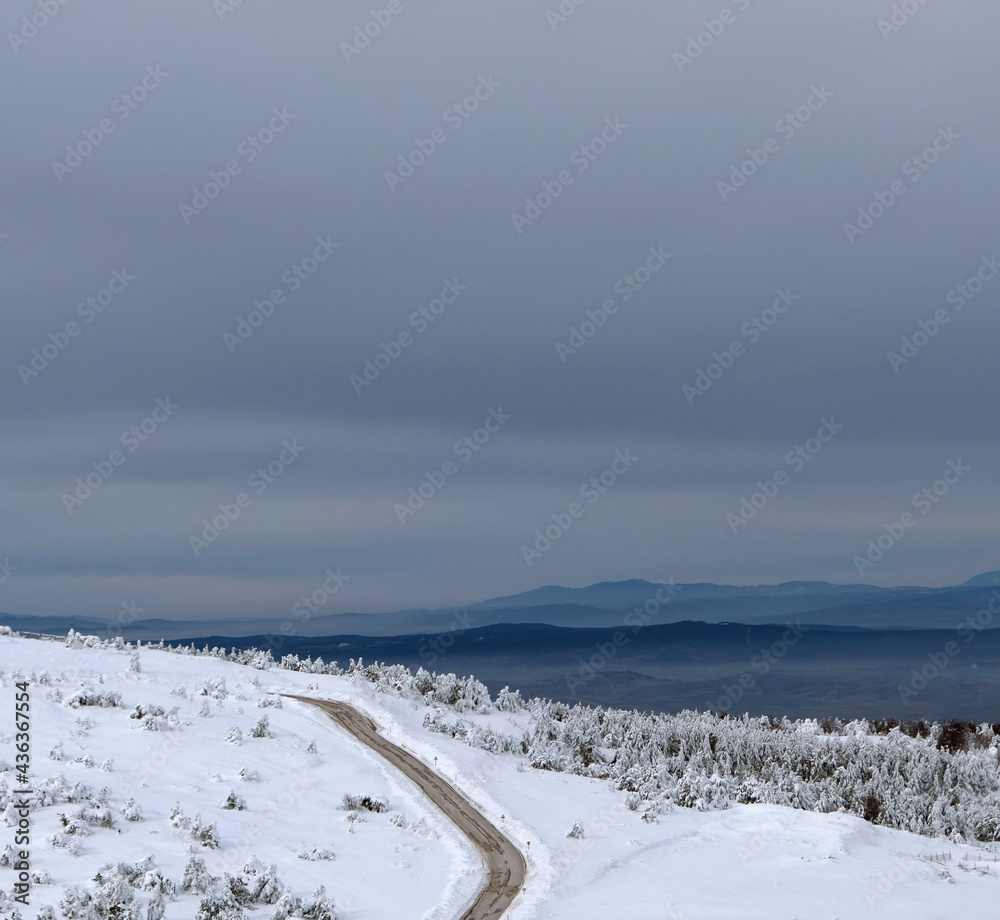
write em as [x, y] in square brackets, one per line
[504, 861]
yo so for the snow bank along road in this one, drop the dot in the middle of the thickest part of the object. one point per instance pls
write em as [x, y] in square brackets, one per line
[504, 861]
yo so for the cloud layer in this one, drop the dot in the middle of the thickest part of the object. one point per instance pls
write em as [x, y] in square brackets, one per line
[692, 233]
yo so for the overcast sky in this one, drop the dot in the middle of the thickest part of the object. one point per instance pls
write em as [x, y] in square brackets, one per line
[608, 107]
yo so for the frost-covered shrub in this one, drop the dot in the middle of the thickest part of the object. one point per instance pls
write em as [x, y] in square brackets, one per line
[205, 834]
[77, 904]
[112, 898]
[261, 882]
[130, 810]
[74, 825]
[157, 908]
[234, 802]
[64, 842]
[197, 879]
[576, 831]
[215, 687]
[177, 817]
[261, 729]
[153, 718]
[97, 814]
[317, 854]
[220, 906]
[254, 885]
[90, 697]
[364, 803]
[509, 701]
[235, 736]
[145, 710]
[154, 880]
[318, 907]
[249, 776]
[260, 660]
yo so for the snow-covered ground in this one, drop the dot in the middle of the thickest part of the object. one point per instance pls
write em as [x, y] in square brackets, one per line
[748, 861]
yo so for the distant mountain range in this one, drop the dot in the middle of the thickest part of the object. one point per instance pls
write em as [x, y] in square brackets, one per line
[617, 595]
[599, 606]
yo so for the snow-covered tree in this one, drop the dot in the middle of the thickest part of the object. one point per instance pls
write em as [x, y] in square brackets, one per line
[197, 879]
[261, 729]
[234, 802]
[130, 810]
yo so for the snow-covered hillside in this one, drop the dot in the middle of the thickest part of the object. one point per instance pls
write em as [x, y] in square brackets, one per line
[187, 752]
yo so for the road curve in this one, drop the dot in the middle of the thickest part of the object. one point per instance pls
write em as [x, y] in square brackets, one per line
[504, 861]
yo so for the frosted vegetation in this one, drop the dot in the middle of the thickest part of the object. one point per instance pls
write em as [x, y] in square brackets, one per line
[927, 778]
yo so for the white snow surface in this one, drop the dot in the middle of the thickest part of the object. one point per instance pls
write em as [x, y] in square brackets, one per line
[746, 862]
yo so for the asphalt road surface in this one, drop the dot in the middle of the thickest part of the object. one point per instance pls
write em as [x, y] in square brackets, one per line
[504, 862]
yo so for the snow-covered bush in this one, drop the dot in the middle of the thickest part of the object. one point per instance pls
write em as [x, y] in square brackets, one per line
[130, 810]
[317, 854]
[261, 729]
[576, 831]
[90, 697]
[153, 718]
[364, 803]
[220, 905]
[318, 907]
[145, 710]
[259, 882]
[233, 802]
[215, 687]
[177, 817]
[74, 825]
[113, 897]
[197, 879]
[205, 834]
[157, 907]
